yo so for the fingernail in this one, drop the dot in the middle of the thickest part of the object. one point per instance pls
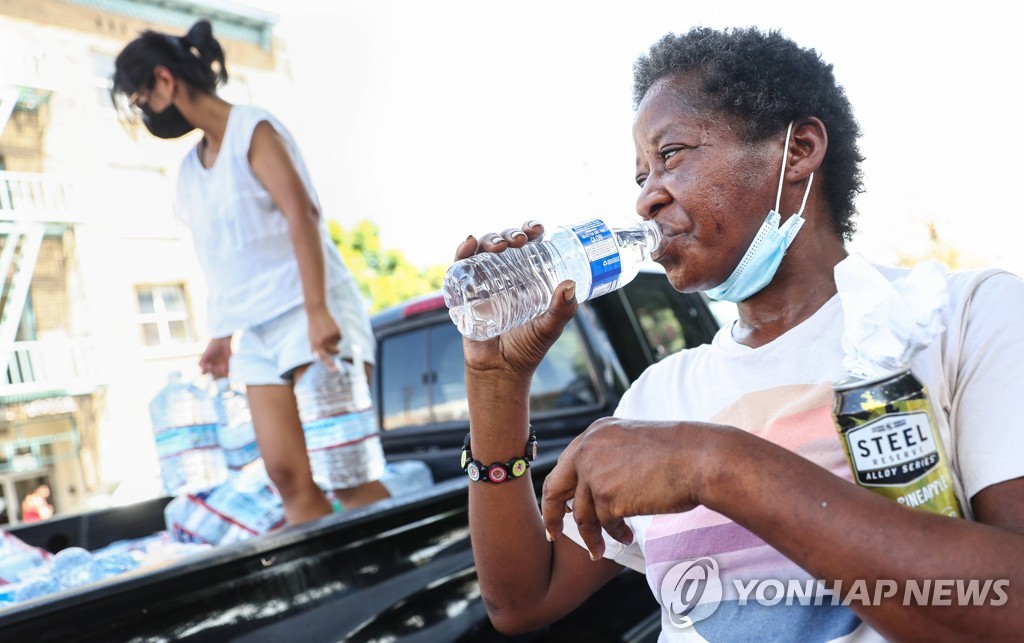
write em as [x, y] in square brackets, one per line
[496, 240]
[468, 238]
[518, 233]
[548, 534]
[532, 223]
[592, 557]
[570, 293]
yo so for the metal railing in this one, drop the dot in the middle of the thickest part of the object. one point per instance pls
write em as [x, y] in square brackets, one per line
[38, 197]
[26, 65]
[70, 365]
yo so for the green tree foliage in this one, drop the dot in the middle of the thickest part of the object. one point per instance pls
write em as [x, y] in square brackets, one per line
[941, 250]
[385, 277]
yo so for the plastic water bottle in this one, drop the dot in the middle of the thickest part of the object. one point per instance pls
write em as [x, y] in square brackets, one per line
[35, 588]
[237, 438]
[115, 563]
[74, 567]
[406, 476]
[185, 424]
[490, 293]
[9, 594]
[339, 424]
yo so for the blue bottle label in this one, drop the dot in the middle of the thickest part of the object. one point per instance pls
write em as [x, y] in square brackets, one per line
[171, 442]
[238, 457]
[603, 255]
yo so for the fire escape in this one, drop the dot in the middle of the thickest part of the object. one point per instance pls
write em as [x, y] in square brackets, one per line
[39, 376]
[33, 206]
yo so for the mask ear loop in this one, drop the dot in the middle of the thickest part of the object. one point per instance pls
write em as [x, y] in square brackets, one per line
[782, 174]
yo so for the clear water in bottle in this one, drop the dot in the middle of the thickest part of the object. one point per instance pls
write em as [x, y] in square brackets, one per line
[237, 437]
[491, 293]
[339, 424]
[185, 422]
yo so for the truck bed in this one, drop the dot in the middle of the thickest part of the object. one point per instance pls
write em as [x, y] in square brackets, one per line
[400, 568]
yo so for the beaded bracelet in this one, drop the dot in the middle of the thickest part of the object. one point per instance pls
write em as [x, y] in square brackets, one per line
[498, 471]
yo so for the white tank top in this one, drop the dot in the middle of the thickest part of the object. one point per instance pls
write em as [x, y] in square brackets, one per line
[240, 235]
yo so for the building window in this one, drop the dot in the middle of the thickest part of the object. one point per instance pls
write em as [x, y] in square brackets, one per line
[164, 317]
[102, 79]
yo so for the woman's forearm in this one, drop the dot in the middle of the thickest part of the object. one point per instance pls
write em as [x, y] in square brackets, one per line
[840, 532]
[526, 582]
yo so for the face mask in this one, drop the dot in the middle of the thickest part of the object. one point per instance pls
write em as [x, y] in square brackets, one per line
[167, 124]
[758, 266]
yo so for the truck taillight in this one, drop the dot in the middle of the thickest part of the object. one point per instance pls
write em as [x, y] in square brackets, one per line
[433, 303]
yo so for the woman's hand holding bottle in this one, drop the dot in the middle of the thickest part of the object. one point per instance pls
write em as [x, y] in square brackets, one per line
[517, 353]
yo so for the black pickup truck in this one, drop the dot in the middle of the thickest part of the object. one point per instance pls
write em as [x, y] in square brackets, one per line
[402, 568]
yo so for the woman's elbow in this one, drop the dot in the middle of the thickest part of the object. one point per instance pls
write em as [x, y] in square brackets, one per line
[513, 620]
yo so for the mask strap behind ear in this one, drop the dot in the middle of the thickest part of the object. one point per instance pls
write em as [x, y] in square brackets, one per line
[810, 181]
[782, 172]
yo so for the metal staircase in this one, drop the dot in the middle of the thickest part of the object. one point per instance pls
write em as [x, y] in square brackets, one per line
[17, 262]
[8, 100]
[23, 80]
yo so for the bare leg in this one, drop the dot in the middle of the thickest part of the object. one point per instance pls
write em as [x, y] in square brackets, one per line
[362, 495]
[275, 418]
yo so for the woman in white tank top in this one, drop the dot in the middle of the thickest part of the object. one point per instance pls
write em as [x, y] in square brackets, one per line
[273, 273]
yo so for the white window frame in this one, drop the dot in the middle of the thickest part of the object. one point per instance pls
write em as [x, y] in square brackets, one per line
[162, 317]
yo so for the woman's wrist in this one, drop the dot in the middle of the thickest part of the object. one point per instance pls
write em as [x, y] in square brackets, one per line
[315, 306]
[487, 380]
[721, 463]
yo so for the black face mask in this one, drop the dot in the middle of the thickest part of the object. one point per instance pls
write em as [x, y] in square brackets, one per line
[167, 124]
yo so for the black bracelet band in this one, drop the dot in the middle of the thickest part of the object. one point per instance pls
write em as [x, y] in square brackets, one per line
[498, 471]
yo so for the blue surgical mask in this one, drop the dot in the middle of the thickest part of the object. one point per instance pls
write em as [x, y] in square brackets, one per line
[758, 266]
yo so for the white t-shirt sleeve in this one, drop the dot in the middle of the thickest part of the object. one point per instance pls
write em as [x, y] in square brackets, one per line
[990, 383]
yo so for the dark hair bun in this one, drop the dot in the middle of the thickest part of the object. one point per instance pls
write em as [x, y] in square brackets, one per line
[200, 32]
[199, 42]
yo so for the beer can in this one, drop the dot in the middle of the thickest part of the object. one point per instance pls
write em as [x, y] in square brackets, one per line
[892, 442]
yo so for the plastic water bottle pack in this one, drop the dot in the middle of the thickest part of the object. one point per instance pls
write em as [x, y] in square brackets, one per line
[185, 422]
[491, 293]
[29, 573]
[224, 514]
[17, 558]
[339, 424]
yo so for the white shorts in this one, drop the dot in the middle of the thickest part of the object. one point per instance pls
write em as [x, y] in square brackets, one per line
[267, 353]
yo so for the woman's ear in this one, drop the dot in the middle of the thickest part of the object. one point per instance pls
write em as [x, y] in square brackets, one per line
[163, 75]
[806, 148]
